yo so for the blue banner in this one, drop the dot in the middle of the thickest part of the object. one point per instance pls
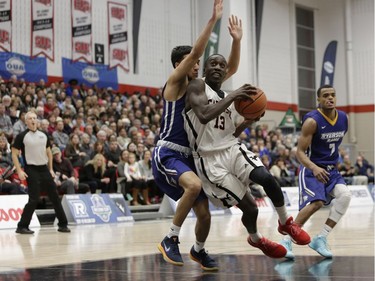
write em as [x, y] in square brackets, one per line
[32, 70]
[96, 208]
[328, 67]
[90, 74]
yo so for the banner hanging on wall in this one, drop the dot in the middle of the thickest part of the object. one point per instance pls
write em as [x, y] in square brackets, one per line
[213, 44]
[89, 74]
[81, 30]
[31, 69]
[42, 28]
[328, 67]
[6, 25]
[118, 36]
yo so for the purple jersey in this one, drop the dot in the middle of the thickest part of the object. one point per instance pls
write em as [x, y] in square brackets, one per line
[172, 155]
[323, 150]
[172, 123]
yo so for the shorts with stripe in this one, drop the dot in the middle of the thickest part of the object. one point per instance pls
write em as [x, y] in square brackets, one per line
[167, 167]
[225, 174]
[311, 189]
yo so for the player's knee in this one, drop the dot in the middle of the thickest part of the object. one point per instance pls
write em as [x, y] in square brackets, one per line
[250, 211]
[342, 202]
[261, 176]
[190, 182]
[193, 187]
[248, 206]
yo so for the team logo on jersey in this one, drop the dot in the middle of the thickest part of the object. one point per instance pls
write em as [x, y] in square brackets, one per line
[333, 136]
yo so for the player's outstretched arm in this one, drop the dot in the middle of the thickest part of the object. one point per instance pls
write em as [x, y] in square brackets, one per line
[235, 30]
[178, 76]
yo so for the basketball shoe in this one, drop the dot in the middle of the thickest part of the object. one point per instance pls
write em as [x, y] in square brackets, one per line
[319, 244]
[297, 234]
[269, 248]
[170, 251]
[287, 243]
[207, 263]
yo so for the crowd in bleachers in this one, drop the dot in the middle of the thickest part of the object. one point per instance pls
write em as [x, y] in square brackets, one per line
[102, 140]
[88, 129]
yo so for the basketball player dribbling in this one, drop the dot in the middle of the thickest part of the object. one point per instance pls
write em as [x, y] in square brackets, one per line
[225, 166]
[172, 163]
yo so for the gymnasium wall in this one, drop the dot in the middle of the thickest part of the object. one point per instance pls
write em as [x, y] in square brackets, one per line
[167, 23]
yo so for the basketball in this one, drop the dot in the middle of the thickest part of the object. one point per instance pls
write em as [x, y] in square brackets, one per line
[252, 107]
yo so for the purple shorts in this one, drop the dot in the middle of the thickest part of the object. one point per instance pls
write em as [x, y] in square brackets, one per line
[167, 167]
[310, 189]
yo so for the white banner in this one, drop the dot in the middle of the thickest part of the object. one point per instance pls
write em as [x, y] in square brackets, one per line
[11, 209]
[42, 26]
[118, 36]
[6, 25]
[360, 196]
[81, 30]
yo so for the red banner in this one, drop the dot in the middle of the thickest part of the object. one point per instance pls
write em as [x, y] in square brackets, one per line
[6, 25]
[82, 30]
[42, 28]
[118, 36]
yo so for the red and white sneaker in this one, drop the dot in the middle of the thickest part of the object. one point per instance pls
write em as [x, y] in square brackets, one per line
[269, 248]
[297, 234]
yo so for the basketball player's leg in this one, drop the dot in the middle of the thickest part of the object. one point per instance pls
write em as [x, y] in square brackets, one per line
[227, 191]
[339, 207]
[305, 213]
[202, 228]
[312, 196]
[256, 172]
[192, 186]
[174, 175]
[342, 196]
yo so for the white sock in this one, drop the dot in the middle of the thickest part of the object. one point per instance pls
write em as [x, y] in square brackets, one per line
[325, 231]
[283, 214]
[255, 237]
[174, 231]
[198, 246]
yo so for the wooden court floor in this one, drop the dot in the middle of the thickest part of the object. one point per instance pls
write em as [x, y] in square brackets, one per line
[128, 251]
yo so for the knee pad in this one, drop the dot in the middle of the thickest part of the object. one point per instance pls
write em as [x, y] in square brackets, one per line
[341, 203]
[273, 190]
[262, 177]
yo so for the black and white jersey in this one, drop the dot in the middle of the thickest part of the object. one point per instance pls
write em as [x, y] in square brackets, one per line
[33, 146]
[216, 134]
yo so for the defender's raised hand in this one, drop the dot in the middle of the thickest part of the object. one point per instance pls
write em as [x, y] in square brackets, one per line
[218, 9]
[235, 27]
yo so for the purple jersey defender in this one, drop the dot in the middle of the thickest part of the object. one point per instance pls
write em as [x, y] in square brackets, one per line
[323, 151]
[172, 155]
